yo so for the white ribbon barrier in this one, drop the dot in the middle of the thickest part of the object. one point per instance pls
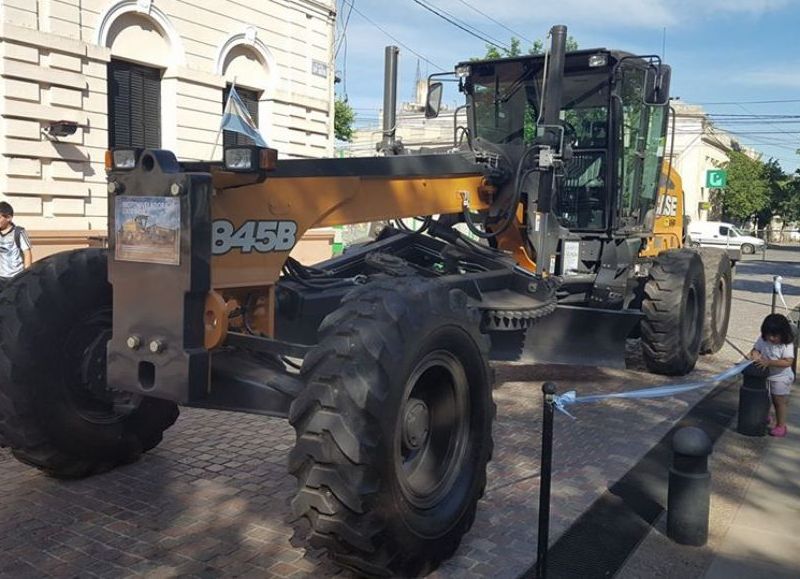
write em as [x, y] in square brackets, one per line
[563, 400]
[778, 288]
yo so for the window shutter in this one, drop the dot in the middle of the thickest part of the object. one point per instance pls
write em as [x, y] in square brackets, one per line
[134, 105]
[250, 100]
[119, 105]
[151, 104]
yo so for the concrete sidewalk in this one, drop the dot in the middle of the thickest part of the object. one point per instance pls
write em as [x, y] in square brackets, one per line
[754, 527]
[764, 538]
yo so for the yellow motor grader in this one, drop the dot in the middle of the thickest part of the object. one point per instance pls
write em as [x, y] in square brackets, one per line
[380, 357]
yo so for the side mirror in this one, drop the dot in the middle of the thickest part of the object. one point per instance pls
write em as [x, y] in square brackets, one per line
[434, 100]
[657, 85]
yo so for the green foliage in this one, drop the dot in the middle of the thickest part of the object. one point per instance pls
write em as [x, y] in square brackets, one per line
[343, 119]
[748, 191]
[784, 193]
[538, 46]
[515, 49]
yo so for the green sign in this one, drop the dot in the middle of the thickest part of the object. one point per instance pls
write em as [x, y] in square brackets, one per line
[716, 178]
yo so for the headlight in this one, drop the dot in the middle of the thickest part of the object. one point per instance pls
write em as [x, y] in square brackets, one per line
[598, 60]
[240, 159]
[122, 159]
[244, 159]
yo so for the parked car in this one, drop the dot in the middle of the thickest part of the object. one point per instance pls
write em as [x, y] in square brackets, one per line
[721, 234]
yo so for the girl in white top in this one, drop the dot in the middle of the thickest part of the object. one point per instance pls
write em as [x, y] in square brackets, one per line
[775, 350]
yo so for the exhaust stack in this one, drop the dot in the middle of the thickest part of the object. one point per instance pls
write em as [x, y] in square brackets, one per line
[389, 145]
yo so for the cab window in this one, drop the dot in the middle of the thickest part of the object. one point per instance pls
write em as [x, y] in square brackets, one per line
[641, 146]
[724, 231]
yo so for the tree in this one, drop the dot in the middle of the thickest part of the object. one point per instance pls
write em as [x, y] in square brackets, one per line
[515, 49]
[343, 118]
[748, 189]
[784, 193]
[538, 46]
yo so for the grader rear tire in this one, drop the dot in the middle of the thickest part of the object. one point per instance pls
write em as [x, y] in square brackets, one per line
[393, 429]
[718, 274]
[56, 411]
[674, 309]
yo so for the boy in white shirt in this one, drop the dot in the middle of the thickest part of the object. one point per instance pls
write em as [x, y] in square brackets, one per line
[15, 246]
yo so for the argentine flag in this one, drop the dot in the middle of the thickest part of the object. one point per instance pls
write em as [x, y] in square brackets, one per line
[236, 118]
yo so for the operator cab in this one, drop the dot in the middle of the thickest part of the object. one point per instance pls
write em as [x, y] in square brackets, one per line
[613, 122]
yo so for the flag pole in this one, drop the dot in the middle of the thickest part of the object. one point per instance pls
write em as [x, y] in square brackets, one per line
[219, 132]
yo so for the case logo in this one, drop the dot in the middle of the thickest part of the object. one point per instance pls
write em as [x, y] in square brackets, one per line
[667, 206]
[260, 236]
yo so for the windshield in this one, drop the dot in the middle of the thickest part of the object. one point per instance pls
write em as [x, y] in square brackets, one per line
[506, 101]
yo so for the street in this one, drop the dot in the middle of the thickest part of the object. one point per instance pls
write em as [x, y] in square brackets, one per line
[212, 499]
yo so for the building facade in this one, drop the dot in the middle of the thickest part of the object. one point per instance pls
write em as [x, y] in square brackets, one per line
[148, 73]
[698, 147]
[412, 128]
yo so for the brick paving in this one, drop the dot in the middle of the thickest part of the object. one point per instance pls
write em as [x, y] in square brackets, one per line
[212, 499]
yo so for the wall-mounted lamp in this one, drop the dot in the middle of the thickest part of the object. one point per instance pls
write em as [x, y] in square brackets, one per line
[61, 128]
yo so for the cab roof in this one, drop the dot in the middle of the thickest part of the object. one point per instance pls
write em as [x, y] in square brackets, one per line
[571, 57]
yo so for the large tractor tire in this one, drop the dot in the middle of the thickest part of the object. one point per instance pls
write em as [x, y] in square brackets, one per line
[394, 429]
[56, 411]
[718, 274]
[674, 310]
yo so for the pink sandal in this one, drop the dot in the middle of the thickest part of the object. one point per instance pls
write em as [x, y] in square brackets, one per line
[779, 431]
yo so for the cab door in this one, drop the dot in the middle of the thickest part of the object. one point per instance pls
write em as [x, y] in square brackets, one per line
[640, 140]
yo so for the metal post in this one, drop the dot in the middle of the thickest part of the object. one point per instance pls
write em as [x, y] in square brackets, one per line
[796, 342]
[774, 293]
[753, 402]
[549, 391]
[387, 145]
[689, 494]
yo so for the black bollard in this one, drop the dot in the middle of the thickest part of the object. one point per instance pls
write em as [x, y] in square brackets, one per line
[689, 488]
[549, 391]
[753, 402]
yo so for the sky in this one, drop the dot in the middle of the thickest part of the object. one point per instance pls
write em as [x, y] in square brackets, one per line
[725, 54]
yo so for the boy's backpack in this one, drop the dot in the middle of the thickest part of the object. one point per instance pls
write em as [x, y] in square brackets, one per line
[18, 231]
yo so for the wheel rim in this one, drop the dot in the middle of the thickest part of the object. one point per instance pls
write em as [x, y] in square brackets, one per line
[720, 308]
[433, 429]
[690, 328]
[748, 249]
[84, 384]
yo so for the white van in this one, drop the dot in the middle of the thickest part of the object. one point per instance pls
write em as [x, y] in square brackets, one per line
[721, 234]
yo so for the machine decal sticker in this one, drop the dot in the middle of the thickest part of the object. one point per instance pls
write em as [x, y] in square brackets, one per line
[667, 206]
[260, 236]
[148, 230]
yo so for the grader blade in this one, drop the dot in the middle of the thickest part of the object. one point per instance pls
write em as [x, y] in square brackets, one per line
[570, 336]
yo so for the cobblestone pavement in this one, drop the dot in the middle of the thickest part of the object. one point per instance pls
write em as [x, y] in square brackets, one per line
[212, 499]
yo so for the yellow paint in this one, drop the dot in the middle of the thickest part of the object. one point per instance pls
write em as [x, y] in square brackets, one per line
[326, 201]
[668, 226]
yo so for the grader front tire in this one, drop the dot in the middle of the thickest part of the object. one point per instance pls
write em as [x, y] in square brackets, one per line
[393, 429]
[718, 274]
[56, 412]
[674, 309]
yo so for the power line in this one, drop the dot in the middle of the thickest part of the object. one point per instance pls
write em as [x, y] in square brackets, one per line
[468, 25]
[451, 20]
[751, 116]
[745, 132]
[500, 24]
[344, 27]
[745, 109]
[379, 27]
[768, 102]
